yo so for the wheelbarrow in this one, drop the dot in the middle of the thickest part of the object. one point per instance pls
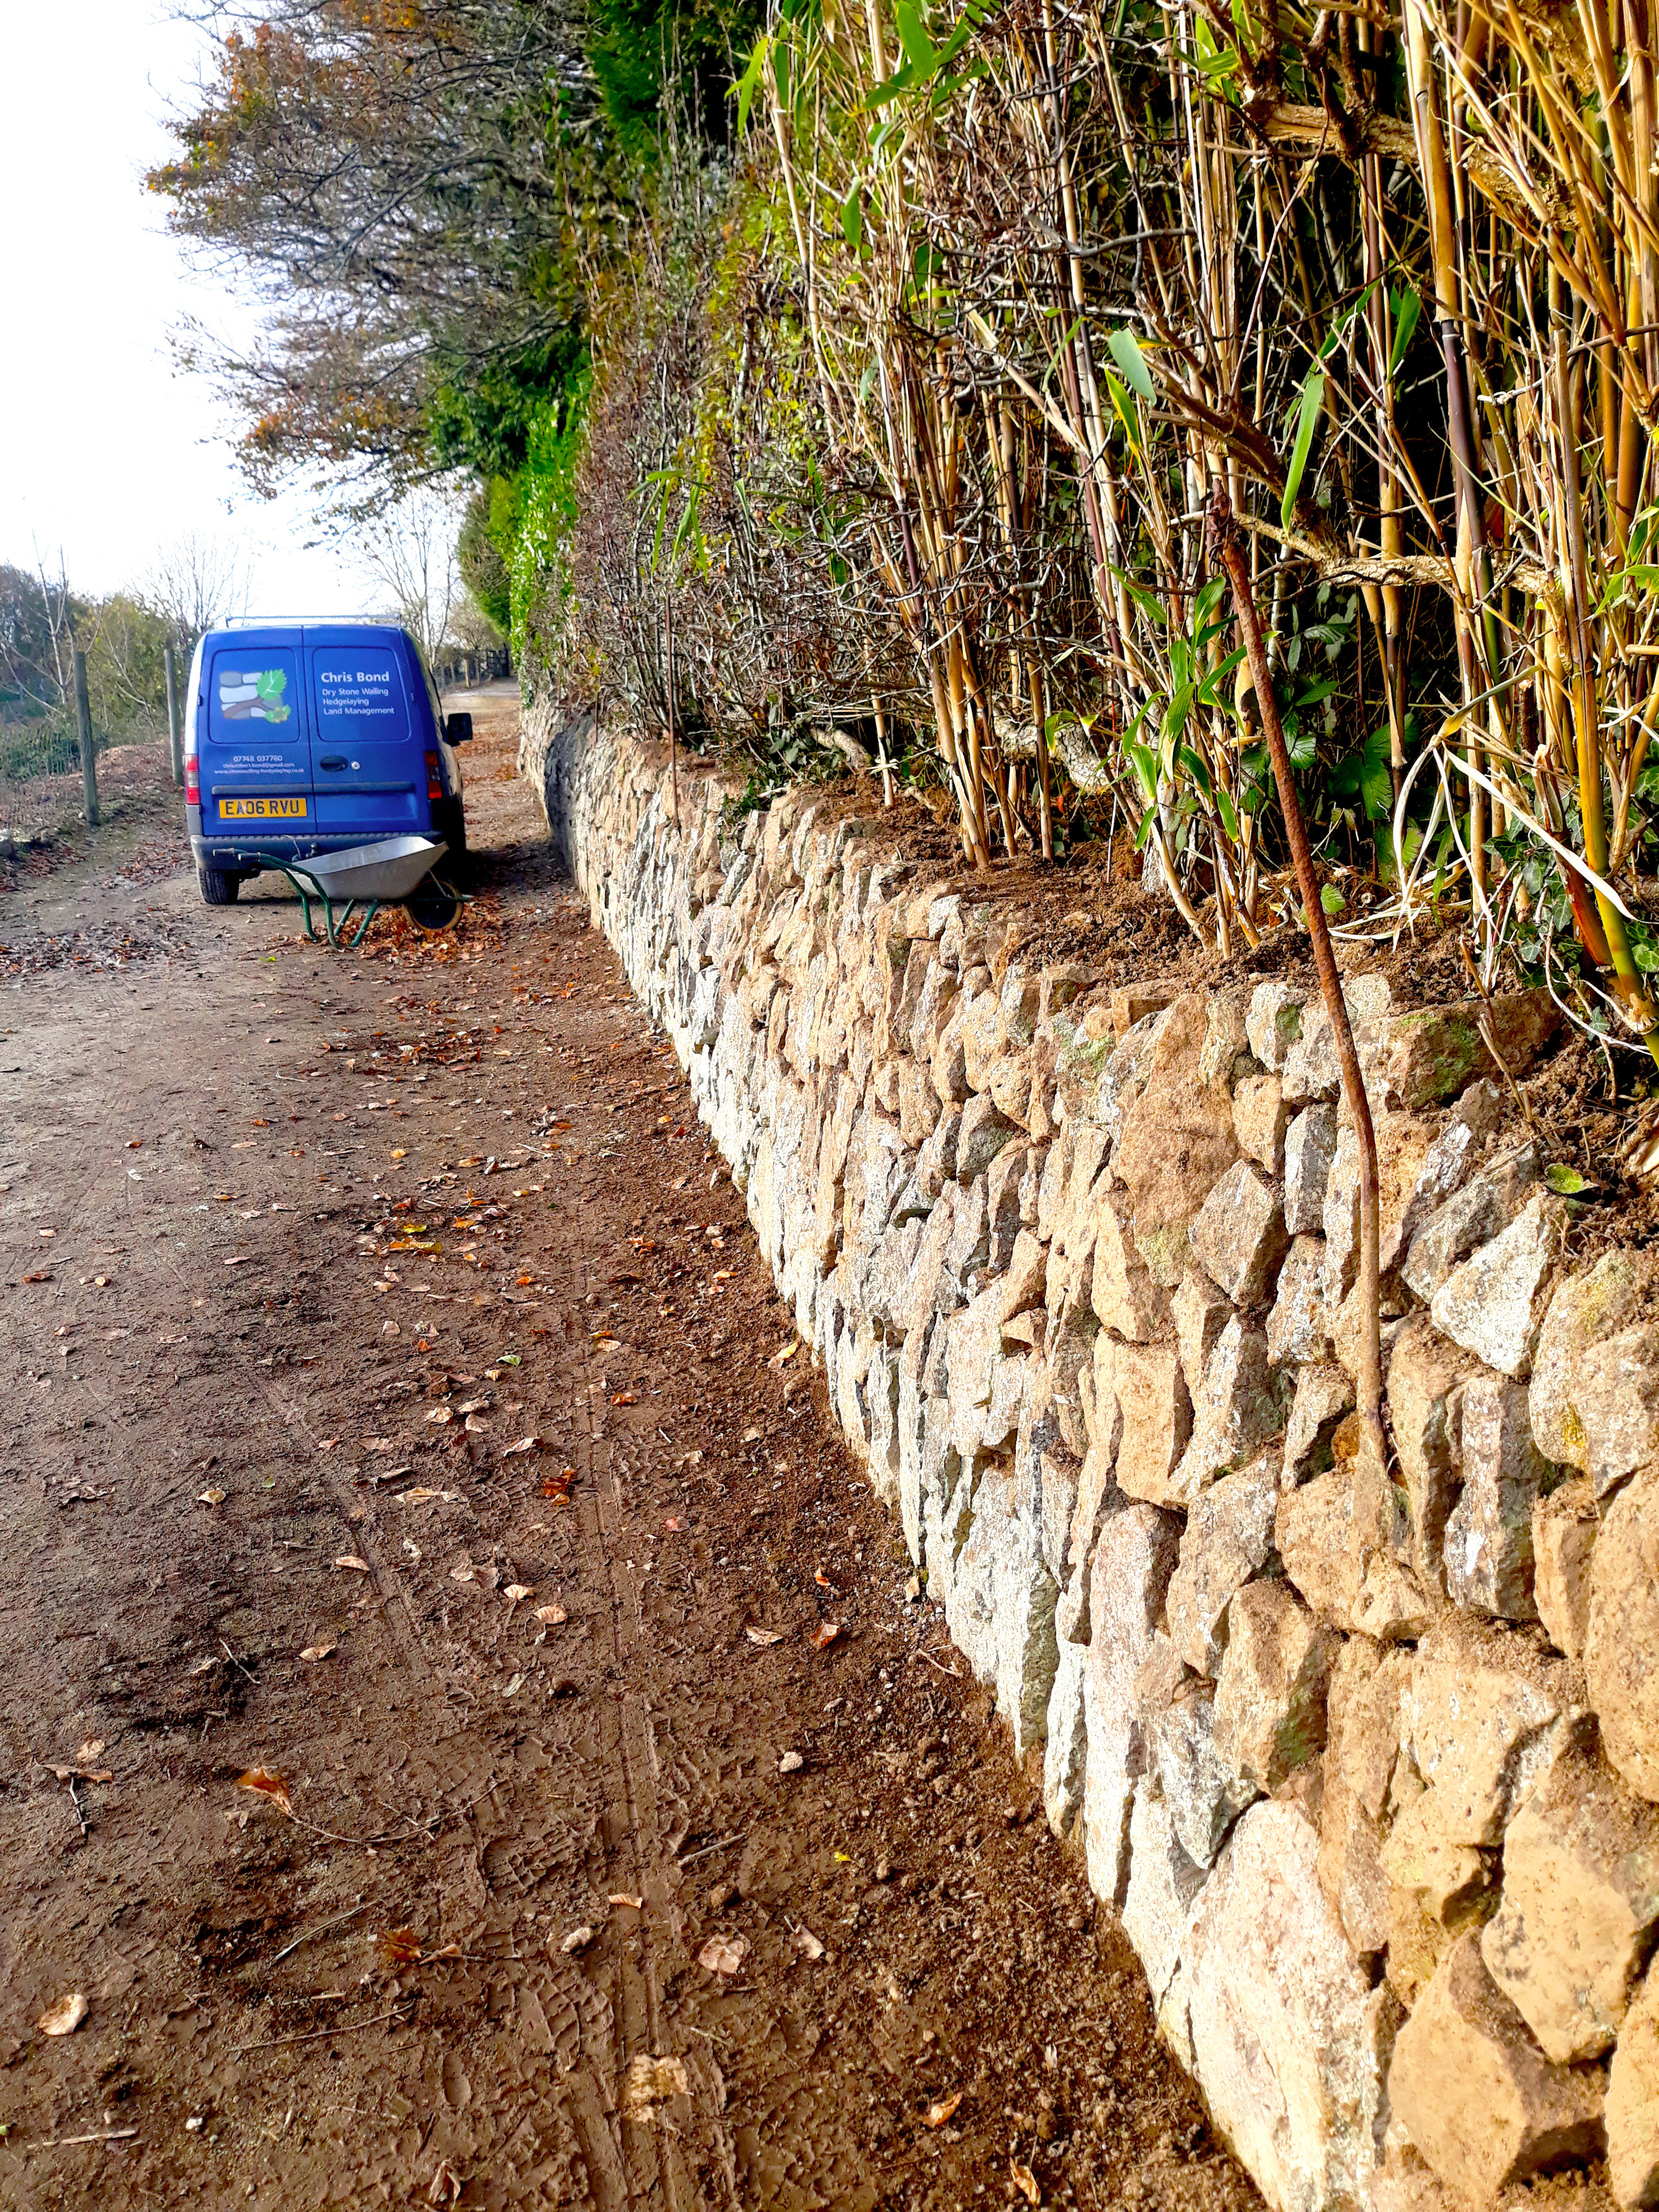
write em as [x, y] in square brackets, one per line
[394, 870]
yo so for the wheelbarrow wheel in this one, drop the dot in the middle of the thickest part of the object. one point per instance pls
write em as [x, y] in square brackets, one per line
[432, 907]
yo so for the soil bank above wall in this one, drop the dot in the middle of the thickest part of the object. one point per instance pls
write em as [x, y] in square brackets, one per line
[1370, 1770]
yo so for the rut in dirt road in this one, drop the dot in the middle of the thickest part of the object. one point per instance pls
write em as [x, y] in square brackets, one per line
[469, 1735]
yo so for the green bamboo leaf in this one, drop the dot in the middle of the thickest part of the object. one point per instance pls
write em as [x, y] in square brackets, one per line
[1312, 398]
[747, 82]
[920, 49]
[1125, 350]
[1408, 311]
[852, 219]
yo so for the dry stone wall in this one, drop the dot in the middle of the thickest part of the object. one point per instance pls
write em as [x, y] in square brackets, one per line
[1370, 1770]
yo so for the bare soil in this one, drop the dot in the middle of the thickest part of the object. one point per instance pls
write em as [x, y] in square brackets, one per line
[424, 1744]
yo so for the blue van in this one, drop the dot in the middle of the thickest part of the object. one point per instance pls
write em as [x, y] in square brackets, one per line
[307, 738]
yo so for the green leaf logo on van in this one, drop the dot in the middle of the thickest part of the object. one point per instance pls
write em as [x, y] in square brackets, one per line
[271, 683]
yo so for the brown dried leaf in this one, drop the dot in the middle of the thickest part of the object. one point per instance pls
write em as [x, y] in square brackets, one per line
[1025, 2181]
[552, 1615]
[764, 1636]
[268, 1784]
[524, 1444]
[65, 2016]
[516, 1593]
[316, 1651]
[940, 2110]
[210, 1497]
[350, 1561]
[724, 1954]
[399, 1948]
[828, 1632]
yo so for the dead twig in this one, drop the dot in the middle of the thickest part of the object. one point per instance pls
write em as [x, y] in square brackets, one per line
[322, 2035]
[1229, 548]
[703, 1850]
[339, 1920]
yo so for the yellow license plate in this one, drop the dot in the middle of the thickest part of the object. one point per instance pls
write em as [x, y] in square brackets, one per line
[258, 809]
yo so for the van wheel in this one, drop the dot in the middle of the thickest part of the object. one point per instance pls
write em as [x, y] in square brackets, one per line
[219, 887]
[452, 830]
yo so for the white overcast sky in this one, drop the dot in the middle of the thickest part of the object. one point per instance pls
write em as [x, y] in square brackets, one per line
[106, 451]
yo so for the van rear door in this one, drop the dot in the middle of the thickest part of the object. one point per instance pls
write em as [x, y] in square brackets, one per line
[256, 756]
[368, 764]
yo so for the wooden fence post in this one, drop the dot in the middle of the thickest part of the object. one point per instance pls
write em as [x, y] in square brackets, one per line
[175, 734]
[83, 716]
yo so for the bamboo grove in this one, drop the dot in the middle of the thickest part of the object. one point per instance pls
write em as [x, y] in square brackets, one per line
[1006, 298]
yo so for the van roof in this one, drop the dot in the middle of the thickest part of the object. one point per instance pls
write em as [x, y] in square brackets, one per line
[247, 630]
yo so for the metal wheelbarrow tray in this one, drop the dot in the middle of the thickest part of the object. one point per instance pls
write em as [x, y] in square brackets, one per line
[373, 876]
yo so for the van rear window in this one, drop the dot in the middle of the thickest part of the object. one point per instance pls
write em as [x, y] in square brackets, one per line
[359, 696]
[251, 692]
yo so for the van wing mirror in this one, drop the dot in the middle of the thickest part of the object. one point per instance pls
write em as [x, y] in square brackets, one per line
[457, 729]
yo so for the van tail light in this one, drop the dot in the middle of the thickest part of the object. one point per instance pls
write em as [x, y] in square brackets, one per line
[434, 782]
[192, 779]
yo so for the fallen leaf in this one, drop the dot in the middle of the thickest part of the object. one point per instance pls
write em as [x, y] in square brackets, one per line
[84, 1773]
[764, 1636]
[724, 1954]
[260, 1779]
[791, 1763]
[90, 1748]
[417, 1494]
[674, 1521]
[621, 1896]
[626, 1398]
[514, 1686]
[823, 1581]
[476, 1425]
[316, 1651]
[516, 1593]
[577, 1939]
[65, 2016]
[1025, 2181]
[399, 1947]
[524, 1444]
[446, 2186]
[808, 1944]
[349, 1559]
[752, 1436]
[401, 1153]
[37, 1278]
[461, 1574]
[551, 1613]
[940, 2110]
[652, 2082]
[828, 1632]
[210, 1497]
[328, 1444]
[440, 1414]
[784, 1353]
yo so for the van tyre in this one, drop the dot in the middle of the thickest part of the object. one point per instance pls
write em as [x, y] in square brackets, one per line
[450, 824]
[219, 887]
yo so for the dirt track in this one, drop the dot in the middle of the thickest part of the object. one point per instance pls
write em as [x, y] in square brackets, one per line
[298, 1249]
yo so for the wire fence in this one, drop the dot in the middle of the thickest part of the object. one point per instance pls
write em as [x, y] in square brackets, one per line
[42, 789]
